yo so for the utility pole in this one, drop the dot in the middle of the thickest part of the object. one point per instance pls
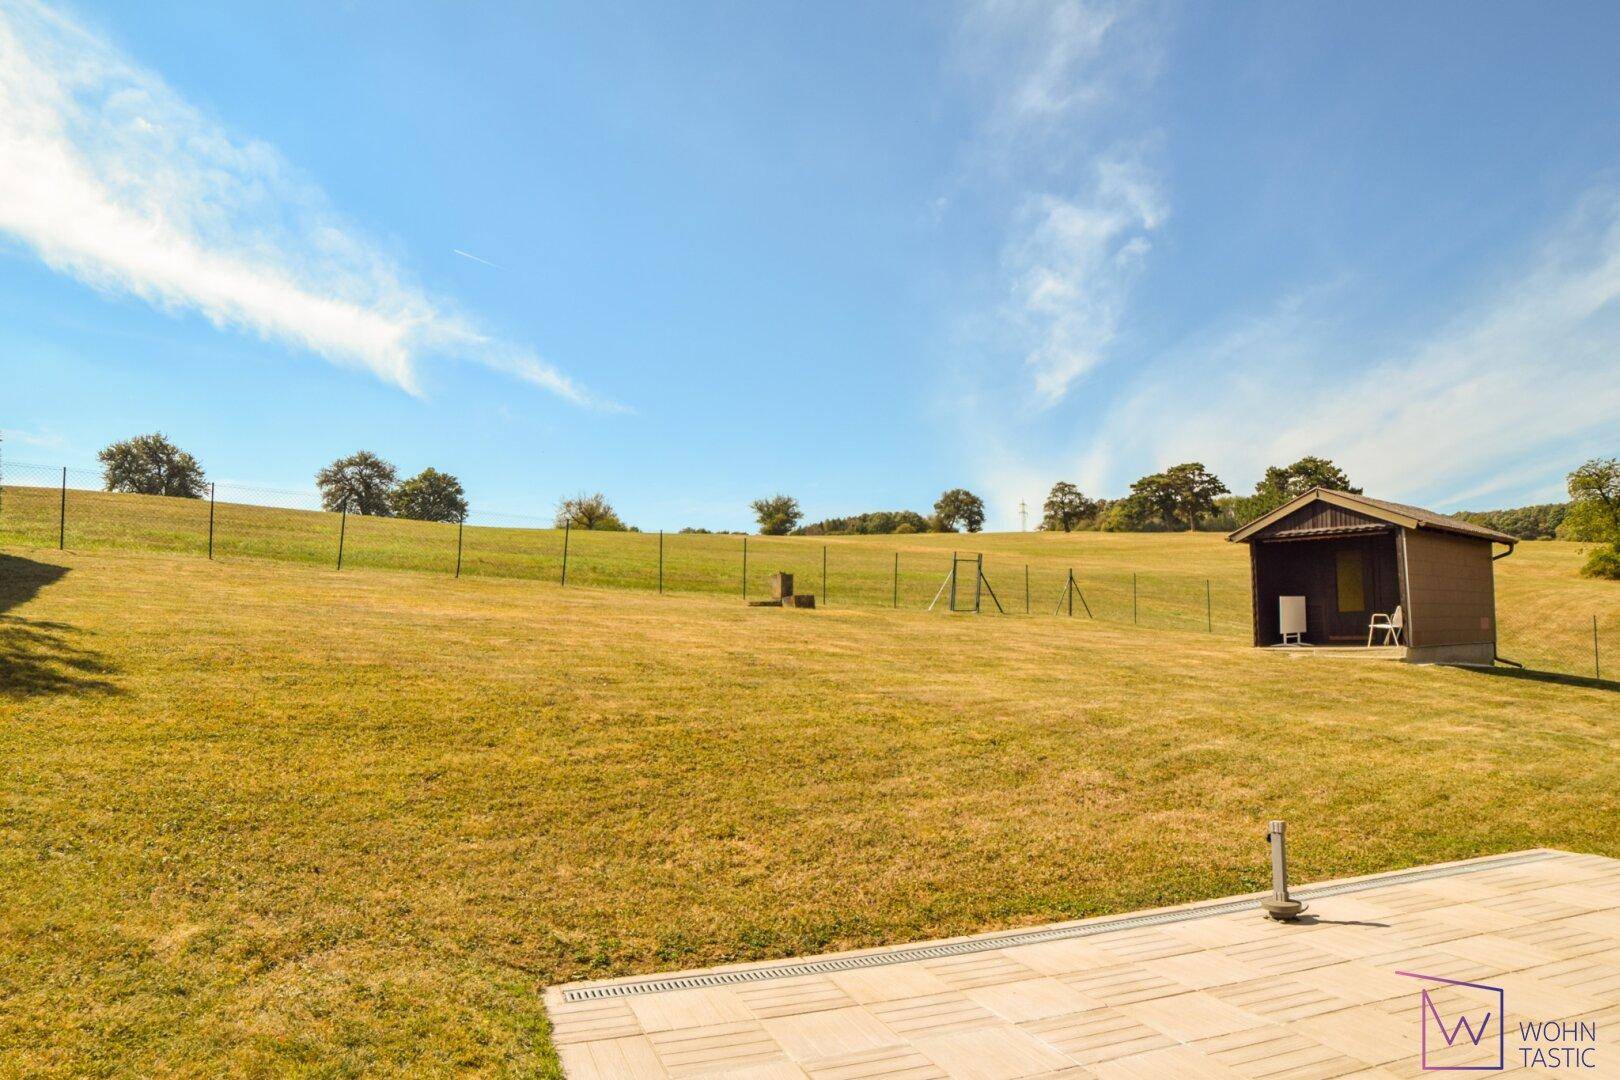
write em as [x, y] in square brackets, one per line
[1023, 516]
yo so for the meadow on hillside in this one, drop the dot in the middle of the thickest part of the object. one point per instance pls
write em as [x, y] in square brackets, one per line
[264, 817]
[1550, 618]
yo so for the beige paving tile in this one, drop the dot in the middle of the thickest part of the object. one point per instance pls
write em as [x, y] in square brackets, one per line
[1281, 999]
[1123, 984]
[889, 1062]
[1201, 970]
[1593, 978]
[935, 1014]
[992, 1053]
[772, 1070]
[588, 1021]
[1145, 944]
[783, 997]
[889, 983]
[1031, 999]
[1178, 1062]
[1365, 1033]
[1563, 939]
[1187, 1017]
[1501, 952]
[1276, 1053]
[1066, 957]
[1531, 906]
[830, 1033]
[1406, 899]
[1281, 956]
[611, 1059]
[1097, 1035]
[1436, 961]
[687, 1008]
[1600, 922]
[1213, 933]
[713, 1048]
[978, 969]
[1428, 928]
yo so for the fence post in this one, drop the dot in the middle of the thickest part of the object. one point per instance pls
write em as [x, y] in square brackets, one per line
[823, 575]
[61, 521]
[660, 560]
[1069, 593]
[343, 529]
[567, 527]
[1209, 609]
[745, 568]
[460, 525]
[1133, 599]
[211, 520]
[896, 603]
[1597, 667]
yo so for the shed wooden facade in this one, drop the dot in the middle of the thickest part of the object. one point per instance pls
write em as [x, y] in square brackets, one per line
[1352, 557]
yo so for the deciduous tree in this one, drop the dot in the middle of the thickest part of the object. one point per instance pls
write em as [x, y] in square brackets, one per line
[959, 508]
[152, 465]
[431, 495]
[778, 515]
[361, 483]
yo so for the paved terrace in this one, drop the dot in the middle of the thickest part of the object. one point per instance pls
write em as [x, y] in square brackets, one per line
[1205, 990]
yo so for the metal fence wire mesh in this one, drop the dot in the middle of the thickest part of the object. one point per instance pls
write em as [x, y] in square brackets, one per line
[50, 506]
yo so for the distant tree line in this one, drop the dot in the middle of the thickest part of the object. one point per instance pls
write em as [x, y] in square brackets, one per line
[1185, 496]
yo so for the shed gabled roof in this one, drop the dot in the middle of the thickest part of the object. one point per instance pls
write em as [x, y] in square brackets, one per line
[1407, 517]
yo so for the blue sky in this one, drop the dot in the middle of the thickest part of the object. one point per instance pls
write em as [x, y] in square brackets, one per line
[855, 253]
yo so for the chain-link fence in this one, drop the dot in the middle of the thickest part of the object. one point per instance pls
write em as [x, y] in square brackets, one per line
[49, 506]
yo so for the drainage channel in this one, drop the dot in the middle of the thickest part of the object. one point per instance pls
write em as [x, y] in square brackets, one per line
[765, 972]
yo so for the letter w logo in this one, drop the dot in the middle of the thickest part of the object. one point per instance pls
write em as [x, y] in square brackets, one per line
[1488, 1005]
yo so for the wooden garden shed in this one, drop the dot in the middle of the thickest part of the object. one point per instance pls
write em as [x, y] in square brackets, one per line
[1351, 558]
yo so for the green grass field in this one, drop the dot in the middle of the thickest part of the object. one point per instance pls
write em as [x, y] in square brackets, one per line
[264, 818]
[1168, 581]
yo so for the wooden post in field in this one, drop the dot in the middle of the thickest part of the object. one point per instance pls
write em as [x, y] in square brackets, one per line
[343, 529]
[660, 560]
[567, 526]
[61, 521]
[1069, 592]
[953, 581]
[210, 520]
[460, 525]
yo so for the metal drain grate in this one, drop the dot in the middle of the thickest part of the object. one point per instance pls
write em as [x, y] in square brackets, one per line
[766, 972]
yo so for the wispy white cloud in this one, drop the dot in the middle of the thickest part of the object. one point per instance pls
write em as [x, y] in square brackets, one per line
[1072, 264]
[1502, 396]
[111, 177]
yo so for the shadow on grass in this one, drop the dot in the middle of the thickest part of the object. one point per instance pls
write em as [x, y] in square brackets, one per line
[1557, 678]
[36, 656]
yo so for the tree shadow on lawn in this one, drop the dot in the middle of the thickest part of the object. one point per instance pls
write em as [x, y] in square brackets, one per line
[36, 656]
[1557, 678]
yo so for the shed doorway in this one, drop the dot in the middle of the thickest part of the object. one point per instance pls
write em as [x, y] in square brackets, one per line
[1345, 580]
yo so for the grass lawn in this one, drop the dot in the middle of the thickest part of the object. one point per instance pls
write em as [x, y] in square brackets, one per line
[259, 817]
[1165, 580]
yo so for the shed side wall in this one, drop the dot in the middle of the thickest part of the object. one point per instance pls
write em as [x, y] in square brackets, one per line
[1450, 589]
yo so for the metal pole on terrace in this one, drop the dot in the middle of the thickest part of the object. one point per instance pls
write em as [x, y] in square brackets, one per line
[343, 529]
[567, 526]
[460, 525]
[211, 520]
[61, 521]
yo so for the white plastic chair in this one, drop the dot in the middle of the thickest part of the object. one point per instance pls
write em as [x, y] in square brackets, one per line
[1391, 625]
